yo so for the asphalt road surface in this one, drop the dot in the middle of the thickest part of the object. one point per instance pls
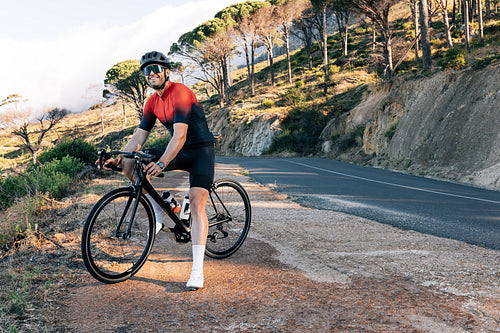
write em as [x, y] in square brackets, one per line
[430, 206]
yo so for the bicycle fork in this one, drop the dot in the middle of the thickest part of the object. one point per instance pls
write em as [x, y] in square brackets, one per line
[126, 235]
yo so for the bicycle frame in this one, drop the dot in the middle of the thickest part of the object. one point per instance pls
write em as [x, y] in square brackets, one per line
[141, 183]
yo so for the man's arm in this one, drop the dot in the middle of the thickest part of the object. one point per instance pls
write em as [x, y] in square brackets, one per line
[136, 141]
[134, 144]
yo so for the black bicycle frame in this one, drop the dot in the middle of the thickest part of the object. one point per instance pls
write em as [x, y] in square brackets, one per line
[143, 183]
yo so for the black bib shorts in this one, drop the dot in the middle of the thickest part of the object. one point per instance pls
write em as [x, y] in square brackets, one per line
[198, 160]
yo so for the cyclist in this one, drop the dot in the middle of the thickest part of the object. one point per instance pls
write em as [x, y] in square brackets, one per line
[191, 148]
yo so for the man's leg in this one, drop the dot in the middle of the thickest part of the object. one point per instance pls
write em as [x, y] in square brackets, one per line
[198, 197]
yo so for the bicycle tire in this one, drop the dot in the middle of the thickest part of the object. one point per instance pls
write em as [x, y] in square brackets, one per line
[229, 217]
[109, 256]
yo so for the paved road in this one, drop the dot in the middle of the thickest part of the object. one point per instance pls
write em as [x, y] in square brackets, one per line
[425, 205]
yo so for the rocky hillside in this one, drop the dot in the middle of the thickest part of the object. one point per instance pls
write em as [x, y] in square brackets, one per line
[445, 125]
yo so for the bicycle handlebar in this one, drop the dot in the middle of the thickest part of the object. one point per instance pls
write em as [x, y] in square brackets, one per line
[140, 156]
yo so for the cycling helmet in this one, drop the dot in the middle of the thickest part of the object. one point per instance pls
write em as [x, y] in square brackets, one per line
[154, 57]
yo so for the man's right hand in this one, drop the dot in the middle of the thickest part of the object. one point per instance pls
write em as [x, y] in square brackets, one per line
[108, 164]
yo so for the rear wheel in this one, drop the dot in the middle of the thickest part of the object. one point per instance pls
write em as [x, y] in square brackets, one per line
[229, 216]
[118, 236]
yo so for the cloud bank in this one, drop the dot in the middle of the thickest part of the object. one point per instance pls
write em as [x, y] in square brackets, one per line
[68, 70]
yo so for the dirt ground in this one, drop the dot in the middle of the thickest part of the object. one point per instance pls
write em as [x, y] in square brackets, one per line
[300, 270]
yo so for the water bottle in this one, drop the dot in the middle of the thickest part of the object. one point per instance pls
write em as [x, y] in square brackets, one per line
[185, 211]
[169, 198]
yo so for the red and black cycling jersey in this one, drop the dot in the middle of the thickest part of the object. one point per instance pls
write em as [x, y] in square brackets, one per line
[178, 104]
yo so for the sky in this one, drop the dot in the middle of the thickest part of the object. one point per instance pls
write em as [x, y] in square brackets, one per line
[56, 53]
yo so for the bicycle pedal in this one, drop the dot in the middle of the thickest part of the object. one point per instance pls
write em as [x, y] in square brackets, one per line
[180, 236]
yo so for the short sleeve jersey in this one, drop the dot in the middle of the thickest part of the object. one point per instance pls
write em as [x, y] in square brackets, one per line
[178, 104]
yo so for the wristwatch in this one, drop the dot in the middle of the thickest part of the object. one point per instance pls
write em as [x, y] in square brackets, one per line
[161, 165]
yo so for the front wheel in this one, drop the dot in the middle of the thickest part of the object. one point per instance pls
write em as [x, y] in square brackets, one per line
[116, 238]
[229, 216]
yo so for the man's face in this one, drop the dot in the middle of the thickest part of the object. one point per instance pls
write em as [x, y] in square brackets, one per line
[155, 80]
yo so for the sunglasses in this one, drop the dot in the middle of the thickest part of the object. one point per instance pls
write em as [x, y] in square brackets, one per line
[152, 68]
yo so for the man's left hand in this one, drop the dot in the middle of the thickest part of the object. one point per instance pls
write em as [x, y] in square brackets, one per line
[153, 169]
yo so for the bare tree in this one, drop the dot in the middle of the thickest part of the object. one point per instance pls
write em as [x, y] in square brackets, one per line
[321, 6]
[47, 121]
[245, 32]
[467, 23]
[208, 47]
[343, 11]
[378, 12]
[286, 11]
[443, 4]
[480, 19]
[267, 29]
[424, 25]
[303, 30]
[414, 15]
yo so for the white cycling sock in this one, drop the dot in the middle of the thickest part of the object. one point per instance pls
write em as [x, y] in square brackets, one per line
[198, 256]
[158, 212]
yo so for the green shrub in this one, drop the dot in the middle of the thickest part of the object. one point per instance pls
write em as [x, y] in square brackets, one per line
[435, 42]
[333, 69]
[299, 84]
[301, 130]
[53, 178]
[407, 26]
[456, 33]
[214, 99]
[390, 132]
[359, 63]
[453, 58]
[11, 188]
[294, 96]
[437, 25]
[352, 139]
[267, 103]
[481, 63]
[68, 165]
[360, 31]
[336, 54]
[79, 149]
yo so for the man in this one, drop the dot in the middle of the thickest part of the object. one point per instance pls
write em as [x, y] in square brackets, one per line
[191, 148]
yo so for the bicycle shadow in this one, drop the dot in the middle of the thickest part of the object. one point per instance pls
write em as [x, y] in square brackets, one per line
[174, 287]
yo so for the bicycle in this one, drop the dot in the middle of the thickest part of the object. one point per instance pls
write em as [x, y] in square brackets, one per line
[120, 230]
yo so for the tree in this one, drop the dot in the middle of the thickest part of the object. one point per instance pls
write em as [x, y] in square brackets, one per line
[303, 30]
[343, 11]
[414, 15]
[321, 6]
[179, 69]
[267, 29]
[286, 11]
[425, 36]
[378, 12]
[480, 19]
[47, 121]
[126, 80]
[443, 5]
[245, 31]
[466, 22]
[208, 47]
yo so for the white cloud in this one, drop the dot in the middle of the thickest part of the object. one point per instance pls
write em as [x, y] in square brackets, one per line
[58, 72]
